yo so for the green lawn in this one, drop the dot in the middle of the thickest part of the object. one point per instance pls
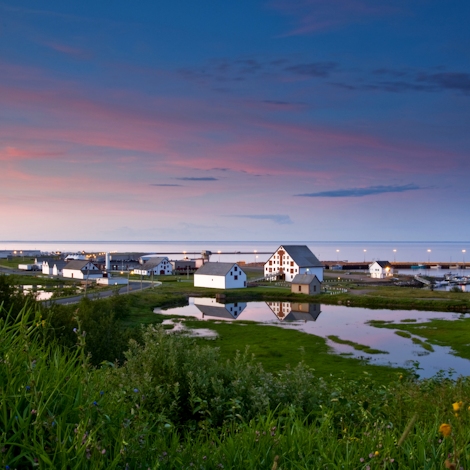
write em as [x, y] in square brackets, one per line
[454, 334]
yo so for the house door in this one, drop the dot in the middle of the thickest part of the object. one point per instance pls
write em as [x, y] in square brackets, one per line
[162, 271]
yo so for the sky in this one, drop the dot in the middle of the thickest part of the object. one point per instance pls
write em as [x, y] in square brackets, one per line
[236, 120]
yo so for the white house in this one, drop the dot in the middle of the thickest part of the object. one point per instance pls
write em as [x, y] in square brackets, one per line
[53, 267]
[157, 266]
[211, 308]
[380, 269]
[290, 260]
[81, 269]
[220, 276]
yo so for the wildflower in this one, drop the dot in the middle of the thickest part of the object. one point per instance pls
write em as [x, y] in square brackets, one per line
[136, 390]
[205, 457]
[376, 453]
[95, 403]
[53, 423]
[34, 412]
[361, 459]
[103, 451]
[445, 429]
[401, 376]
[28, 388]
[457, 405]
[101, 393]
[74, 330]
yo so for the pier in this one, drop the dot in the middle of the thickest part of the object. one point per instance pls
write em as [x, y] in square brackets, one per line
[351, 265]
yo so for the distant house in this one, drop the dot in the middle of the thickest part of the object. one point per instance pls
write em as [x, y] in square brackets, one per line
[81, 269]
[211, 308]
[53, 267]
[306, 284]
[220, 276]
[156, 266]
[290, 260]
[184, 266]
[380, 269]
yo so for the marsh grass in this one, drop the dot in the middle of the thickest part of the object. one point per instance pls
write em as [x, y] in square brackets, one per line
[176, 404]
[356, 346]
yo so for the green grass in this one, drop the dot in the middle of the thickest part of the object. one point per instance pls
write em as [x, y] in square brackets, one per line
[403, 334]
[178, 405]
[276, 348]
[356, 346]
[452, 333]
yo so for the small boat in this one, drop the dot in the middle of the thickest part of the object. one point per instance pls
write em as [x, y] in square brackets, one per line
[337, 267]
[418, 266]
[436, 266]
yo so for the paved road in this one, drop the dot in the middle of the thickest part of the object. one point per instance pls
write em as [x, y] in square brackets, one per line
[134, 286]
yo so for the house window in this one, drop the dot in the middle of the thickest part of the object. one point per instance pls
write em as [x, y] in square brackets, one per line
[270, 270]
[300, 288]
[235, 278]
[270, 263]
[314, 288]
[292, 271]
[231, 274]
[292, 263]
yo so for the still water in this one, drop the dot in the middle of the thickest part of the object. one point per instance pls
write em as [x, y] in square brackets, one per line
[349, 323]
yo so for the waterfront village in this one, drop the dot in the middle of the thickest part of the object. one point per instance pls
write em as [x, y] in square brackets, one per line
[293, 265]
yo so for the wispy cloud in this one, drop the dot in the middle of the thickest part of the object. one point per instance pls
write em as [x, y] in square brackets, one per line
[313, 69]
[202, 178]
[279, 219]
[361, 192]
[310, 16]
[164, 185]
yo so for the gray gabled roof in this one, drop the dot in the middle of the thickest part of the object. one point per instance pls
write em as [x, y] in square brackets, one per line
[77, 264]
[153, 263]
[216, 269]
[304, 279]
[302, 256]
[59, 263]
[383, 264]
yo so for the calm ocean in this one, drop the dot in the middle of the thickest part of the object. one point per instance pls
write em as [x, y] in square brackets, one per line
[251, 251]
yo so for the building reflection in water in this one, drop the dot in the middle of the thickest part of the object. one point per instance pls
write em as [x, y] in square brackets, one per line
[212, 308]
[295, 311]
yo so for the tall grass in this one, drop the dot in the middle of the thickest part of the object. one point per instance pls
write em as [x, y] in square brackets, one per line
[174, 404]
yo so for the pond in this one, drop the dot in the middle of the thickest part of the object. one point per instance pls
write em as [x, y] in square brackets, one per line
[347, 323]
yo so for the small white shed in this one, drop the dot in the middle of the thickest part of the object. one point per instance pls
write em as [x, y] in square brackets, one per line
[220, 276]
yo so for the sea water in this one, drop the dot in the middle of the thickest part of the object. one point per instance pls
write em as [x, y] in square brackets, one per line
[259, 251]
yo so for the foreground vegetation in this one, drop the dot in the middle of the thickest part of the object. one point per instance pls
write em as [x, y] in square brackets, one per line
[176, 404]
[85, 387]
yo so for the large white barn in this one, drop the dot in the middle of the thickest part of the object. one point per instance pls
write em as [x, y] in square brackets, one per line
[290, 260]
[156, 266]
[220, 276]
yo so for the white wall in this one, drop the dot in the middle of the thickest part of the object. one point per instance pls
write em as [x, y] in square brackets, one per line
[215, 282]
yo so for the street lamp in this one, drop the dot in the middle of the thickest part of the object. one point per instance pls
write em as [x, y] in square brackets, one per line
[219, 255]
[463, 257]
[394, 256]
[337, 255]
[255, 251]
[365, 255]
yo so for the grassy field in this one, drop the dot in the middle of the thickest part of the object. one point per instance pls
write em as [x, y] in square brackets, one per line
[277, 348]
[454, 334]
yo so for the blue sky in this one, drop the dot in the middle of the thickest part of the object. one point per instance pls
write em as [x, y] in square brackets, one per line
[260, 120]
